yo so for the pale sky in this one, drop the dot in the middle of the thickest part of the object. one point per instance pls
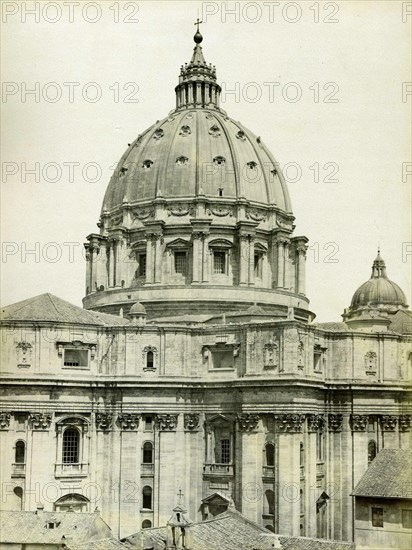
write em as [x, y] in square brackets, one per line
[361, 60]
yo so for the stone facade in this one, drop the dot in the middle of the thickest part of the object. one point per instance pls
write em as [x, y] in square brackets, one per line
[218, 383]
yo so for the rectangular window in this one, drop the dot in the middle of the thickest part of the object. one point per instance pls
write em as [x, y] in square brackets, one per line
[76, 357]
[180, 263]
[407, 519]
[219, 262]
[377, 517]
[317, 365]
[258, 266]
[142, 265]
[148, 423]
[225, 451]
[222, 359]
[319, 446]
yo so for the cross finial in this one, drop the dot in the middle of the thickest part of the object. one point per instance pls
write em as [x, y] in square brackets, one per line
[198, 22]
[180, 495]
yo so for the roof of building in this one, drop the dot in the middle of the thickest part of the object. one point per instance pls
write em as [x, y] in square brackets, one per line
[102, 544]
[232, 531]
[49, 308]
[21, 527]
[388, 476]
[401, 322]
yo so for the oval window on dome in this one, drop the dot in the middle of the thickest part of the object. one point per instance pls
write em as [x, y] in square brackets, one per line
[185, 130]
[147, 164]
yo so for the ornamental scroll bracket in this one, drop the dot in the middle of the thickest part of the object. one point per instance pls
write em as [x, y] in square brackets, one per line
[248, 422]
[191, 421]
[40, 421]
[128, 421]
[166, 422]
[291, 423]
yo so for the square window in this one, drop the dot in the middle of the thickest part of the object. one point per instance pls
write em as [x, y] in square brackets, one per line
[142, 265]
[219, 262]
[181, 263]
[377, 517]
[407, 519]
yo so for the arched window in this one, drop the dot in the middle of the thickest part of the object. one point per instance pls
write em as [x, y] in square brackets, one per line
[148, 453]
[150, 360]
[269, 503]
[270, 528]
[146, 524]
[20, 452]
[270, 454]
[371, 450]
[73, 502]
[147, 497]
[70, 447]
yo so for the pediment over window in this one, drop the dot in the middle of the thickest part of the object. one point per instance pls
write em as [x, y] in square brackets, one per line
[220, 243]
[181, 244]
[259, 247]
[217, 498]
[217, 420]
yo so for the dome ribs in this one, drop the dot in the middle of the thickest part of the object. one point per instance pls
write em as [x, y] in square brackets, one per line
[232, 156]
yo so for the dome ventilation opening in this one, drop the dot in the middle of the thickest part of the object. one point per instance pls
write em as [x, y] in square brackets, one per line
[219, 160]
[214, 131]
[182, 160]
[252, 165]
[185, 131]
[147, 164]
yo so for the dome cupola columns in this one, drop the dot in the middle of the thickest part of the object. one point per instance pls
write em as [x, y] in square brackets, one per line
[376, 300]
[197, 80]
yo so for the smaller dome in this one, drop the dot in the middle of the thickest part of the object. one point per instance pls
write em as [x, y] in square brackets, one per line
[137, 309]
[379, 290]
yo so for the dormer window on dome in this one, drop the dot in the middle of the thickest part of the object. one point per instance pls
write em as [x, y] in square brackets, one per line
[182, 160]
[158, 134]
[147, 164]
[219, 160]
[215, 131]
[185, 130]
[252, 165]
[241, 135]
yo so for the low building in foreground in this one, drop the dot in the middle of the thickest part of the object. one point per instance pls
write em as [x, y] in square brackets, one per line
[383, 510]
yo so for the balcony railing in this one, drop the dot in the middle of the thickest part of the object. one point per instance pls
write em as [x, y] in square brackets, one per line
[219, 469]
[147, 469]
[75, 469]
[18, 469]
[268, 471]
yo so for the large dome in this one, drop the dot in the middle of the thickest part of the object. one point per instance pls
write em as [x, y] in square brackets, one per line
[196, 220]
[197, 152]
